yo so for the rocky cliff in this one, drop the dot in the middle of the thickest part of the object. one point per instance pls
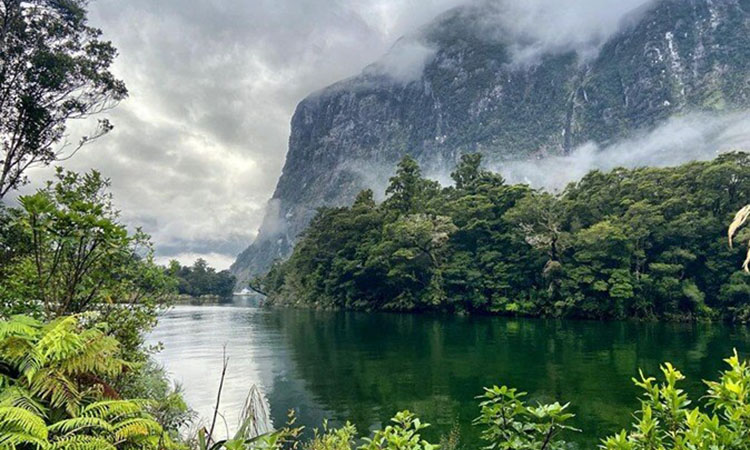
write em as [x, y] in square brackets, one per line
[463, 85]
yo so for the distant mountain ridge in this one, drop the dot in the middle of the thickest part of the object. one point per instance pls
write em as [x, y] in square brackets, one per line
[470, 94]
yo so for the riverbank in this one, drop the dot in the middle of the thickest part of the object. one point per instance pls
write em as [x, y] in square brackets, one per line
[183, 299]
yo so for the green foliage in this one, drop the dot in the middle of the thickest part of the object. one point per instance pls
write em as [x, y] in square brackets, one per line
[72, 255]
[667, 419]
[403, 434]
[333, 439]
[200, 279]
[164, 398]
[284, 438]
[642, 243]
[510, 424]
[55, 67]
[45, 361]
[54, 393]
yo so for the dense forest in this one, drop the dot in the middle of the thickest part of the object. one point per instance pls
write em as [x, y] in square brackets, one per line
[201, 279]
[645, 243]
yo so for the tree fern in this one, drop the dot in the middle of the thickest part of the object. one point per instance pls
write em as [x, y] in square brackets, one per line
[82, 442]
[78, 424]
[57, 370]
[21, 398]
[19, 426]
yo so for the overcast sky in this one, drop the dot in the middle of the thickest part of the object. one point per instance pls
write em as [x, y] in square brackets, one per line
[199, 145]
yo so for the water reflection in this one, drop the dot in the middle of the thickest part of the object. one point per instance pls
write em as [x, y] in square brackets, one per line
[363, 367]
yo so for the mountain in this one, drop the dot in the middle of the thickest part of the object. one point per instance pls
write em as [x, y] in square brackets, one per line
[464, 84]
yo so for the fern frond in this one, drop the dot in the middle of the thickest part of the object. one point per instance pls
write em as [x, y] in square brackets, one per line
[15, 348]
[21, 398]
[31, 362]
[82, 442]
[57, 389]
[108, 409]
[76, 424]
[137, 427]
[21, 421]
[96, 355]
[19, 326]
[13, 440]
[59, 339]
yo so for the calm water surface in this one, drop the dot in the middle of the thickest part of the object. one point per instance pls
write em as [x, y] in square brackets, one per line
[364, 367]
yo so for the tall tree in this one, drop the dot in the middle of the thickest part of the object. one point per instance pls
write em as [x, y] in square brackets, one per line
[405, 187]
[468, 172]
[81, 258]
[53, 67]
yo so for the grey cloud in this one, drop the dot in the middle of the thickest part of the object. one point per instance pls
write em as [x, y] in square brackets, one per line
[693, 137]
[199, 145]
[535, 27]
[405, 61]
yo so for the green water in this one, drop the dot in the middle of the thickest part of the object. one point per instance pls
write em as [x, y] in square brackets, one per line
[364, 367]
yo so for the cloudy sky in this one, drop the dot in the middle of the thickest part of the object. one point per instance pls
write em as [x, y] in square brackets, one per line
[199, 145]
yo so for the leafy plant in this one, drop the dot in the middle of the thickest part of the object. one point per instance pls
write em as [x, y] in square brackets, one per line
[333, 438]
[510, 424]
[402, 434]
[54, 393]
[80, 258]
[667, 420]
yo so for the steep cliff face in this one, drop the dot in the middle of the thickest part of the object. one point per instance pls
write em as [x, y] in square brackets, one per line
[461, 85]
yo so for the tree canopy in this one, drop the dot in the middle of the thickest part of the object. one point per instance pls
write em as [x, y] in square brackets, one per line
[647, 242]
[201, 279]
[72, 255]
[54, 67]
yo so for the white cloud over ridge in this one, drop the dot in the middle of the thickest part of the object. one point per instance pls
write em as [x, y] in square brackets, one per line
[535, 27]
[693, 137]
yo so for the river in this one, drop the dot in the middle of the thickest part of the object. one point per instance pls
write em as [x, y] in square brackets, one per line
[364, 367]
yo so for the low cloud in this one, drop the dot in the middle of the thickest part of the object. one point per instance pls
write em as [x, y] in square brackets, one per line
[405, 61]
[694, 137]
[273, 224]
[533, 28]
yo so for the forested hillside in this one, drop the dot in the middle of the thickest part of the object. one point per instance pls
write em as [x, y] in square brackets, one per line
[647, 243]
[668, 59]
